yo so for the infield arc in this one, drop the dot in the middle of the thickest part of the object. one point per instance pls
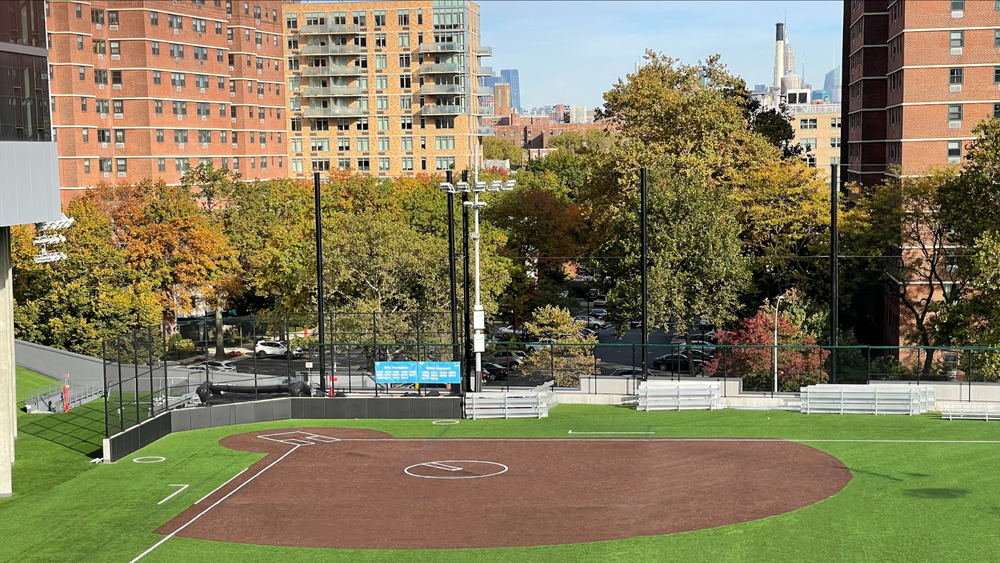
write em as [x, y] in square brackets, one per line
[354, 493]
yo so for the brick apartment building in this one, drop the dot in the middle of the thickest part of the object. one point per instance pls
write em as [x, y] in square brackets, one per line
[533, 132]
[144, 89]
[920, 74]
[386, 88]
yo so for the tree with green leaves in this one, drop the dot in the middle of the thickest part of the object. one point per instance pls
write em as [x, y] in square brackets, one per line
[565, 354]
[502, 149]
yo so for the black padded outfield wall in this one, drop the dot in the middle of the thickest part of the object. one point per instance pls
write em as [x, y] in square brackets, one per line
[294, 408]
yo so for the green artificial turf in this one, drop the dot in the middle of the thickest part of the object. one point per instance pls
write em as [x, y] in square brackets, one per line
[906, 502]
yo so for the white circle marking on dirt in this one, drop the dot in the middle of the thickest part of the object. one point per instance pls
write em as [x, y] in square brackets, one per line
[445, 465]
[445, 422]
[149, 459]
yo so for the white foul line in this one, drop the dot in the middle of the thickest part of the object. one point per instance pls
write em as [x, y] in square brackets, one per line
[585, 440]
[182, 487]
[202, 513]
[578, 432]
[220, 486]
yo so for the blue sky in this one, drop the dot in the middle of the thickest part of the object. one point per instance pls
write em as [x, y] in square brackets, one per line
[572, 52]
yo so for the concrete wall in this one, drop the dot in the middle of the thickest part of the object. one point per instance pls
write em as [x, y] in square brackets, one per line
[8, 406]
[54, 362]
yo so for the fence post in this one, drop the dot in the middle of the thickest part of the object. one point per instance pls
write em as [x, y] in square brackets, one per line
[118, 355]
[149, 352]
[135, 366]
[104, 383]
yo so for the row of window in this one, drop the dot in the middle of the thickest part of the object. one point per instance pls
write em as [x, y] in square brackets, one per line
[364, 164]
[181, 136]
[810, 144]
[361, 123]
[363, 144]
[812, 123]
[181, 108]
[359, 18]
[180, 164]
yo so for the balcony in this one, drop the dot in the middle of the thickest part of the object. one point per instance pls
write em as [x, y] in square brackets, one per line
[332, 112]
[484, 90]
[442, 48]
[488, 131]
[331, 49]
[483, 110]
[334, 71]
[333, 92]
[443, 68]
[484, 51]
[329, 29]
[446, 109]
[485, 71]
[443, 89]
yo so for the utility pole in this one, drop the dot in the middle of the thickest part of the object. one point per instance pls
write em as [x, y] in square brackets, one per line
[319, 284]
[465, 260]
[645, 268]
[456, 354]
[834, 272]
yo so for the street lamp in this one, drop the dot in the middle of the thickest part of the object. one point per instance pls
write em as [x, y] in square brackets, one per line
[776, 305]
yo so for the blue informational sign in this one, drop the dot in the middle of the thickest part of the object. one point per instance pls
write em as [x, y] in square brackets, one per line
[418, 372]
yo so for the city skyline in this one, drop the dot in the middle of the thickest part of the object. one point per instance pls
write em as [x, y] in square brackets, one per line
[742, 32]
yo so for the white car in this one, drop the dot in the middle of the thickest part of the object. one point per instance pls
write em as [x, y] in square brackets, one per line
[591, 322]
[214, 365]
[267, 348]
[507, 358]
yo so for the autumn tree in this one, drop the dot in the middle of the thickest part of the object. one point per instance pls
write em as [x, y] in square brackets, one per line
[565, 355]
[502, 149]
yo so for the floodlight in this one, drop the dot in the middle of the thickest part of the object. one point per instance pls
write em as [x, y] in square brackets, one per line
[49, 257]
[447, 188]
[462, 187]
[479, 187]
[63, 223]
[49, 239]
[508, 185]
[494, 186]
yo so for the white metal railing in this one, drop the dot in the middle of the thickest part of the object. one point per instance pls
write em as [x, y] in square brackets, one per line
[797, 109]
[345, 70]
[332, 91]
[534, 403]
[970, 411]
[447, 68]
[331, 49]
[332, 112]
[329, 29]
[867, 399]
[679, 395]
[441, 47]
[50, 399]
[444, 109]
[443, 89]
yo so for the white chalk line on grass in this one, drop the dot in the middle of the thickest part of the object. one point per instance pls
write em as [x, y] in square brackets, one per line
[643, 432]
[671, 440]
[220, 486]
[178, 491]
[216, 503]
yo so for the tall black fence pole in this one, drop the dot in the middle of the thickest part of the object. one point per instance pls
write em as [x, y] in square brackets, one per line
[319, 283]
[456, 354]
[253, 336]
[149, 357]
[465, 279]
[645, 268]
[121, 405]
[104, 369]
[834, 273]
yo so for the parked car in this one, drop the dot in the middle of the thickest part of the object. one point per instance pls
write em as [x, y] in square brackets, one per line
[538, 346]
[509, 333]
[266, 348]
[599, 314]
[493, 372]
[589, 332]
[677, 363]
[626, 372]
[591, 322]
[507, 358]
[214, 365]
[600, 301]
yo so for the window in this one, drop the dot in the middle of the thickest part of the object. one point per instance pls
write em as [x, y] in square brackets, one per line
[236, 163]
[364, 165]
[381, 61]
[175, 22]
[408, 163]
[957, 40]
[420, 17]
[102, 106]
[957, 5]
[383, 123]
[955, 112]
[996, 75]
[404, 81]
[406, 144]
[404, 60]
[178, 79]
[159, 135]
[444, 163]
[155, 46]
[321, 165]
[181, 164]
[834, 142]
[380, 41]
[406, 122]
[996, 111]
[955, 76]
[79, 42]
[405, 102]
[154, 18]
[113, 18]
[158, 107]
[86, 134]
[379, 18]
[954, 149]
[295, 124]
[807, 123]
[116, 77]
[180, 135]
[297, 165]
[343, 144]
[201, 53]
[180, 108]
[97, 16]
[218, 28]
[198, 25]
[808, 144]
[156, 77]
[104, 164]
[86, 166]
[79, 11]
[383, 144]
[359, 19]
[204, 108]
[221, 82]
[291, 21]
[104, 135]
[121, 165]
[383, 165]
[201, 81]
[223, 136]
[98, 46]
[176, 51]
[423, 143]
[222, 110]
[320, 145]
[100, 76]
[811, 161]
[343, 164]
[361, 144]
[444, 122]
[119, 135]
[362, 124]
[320, 125]
[83, 105]
[403, 18]
[83, 73]
[204, 136]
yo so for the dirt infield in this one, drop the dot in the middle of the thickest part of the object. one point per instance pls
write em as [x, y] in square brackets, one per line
[367, 490]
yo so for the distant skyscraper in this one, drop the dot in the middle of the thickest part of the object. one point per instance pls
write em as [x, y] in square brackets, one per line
[510, 77]
[832, 84]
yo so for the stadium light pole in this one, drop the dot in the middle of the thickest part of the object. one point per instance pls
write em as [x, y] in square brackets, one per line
[448, 188]
[834, 273]
[775, 357]
[319, 284]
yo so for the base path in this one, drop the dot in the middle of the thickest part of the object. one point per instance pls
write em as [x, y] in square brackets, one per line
[367, 490]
